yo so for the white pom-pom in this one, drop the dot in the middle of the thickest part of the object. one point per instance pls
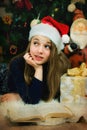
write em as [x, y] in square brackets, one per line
[65, 38]
[34, 22]
[71, 7]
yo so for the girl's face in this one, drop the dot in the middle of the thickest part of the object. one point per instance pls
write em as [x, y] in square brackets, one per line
[40, 48]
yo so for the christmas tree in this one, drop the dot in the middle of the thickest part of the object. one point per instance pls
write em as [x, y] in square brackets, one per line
[15, 18]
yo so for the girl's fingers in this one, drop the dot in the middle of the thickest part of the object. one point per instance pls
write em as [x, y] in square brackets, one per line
[26, 56]
[9, 97]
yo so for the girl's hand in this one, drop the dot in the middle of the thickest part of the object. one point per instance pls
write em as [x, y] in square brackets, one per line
[38, 68]
[10, 97]
[28, 58]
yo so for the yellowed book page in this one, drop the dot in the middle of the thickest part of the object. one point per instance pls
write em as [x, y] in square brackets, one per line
[54, 110]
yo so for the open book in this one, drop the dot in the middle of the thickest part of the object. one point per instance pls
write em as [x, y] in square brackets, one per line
[20, 112]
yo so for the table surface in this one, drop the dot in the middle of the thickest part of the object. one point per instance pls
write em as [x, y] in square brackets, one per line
[7, 125]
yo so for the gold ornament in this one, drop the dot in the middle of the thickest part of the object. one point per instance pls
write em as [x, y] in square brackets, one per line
[56, 9]
[34, 22]
[71, 7]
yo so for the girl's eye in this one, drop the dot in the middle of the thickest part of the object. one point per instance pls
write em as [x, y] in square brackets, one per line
[48, 46]
[35, 43]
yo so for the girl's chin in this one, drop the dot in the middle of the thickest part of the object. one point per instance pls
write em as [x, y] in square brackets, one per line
[39, 62]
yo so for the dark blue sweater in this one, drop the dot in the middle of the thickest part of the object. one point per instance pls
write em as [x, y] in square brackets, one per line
[16, 83]
[31, 94]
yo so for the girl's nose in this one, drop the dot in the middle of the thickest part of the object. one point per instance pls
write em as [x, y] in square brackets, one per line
[40, 49]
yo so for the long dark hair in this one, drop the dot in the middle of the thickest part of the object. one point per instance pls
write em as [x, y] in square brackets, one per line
[57, 66]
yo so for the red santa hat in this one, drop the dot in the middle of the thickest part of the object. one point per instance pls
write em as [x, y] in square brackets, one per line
[55, 31]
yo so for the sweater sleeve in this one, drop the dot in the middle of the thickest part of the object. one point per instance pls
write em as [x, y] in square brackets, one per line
[16, 83]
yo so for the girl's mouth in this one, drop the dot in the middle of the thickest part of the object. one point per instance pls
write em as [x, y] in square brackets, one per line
[38, 58]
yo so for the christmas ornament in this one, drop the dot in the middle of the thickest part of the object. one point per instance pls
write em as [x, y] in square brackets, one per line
[13, 49]
[71, 7]
[19, 4]
[23, 3]
[34, 22]
[7, 19]
[28, 4]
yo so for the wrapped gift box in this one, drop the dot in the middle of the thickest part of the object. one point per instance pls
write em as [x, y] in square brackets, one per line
[73, 89]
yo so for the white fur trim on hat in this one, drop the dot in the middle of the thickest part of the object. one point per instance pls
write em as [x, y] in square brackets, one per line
[48, 31]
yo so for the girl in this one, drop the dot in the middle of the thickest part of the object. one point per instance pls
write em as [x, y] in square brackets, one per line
[35, 75]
